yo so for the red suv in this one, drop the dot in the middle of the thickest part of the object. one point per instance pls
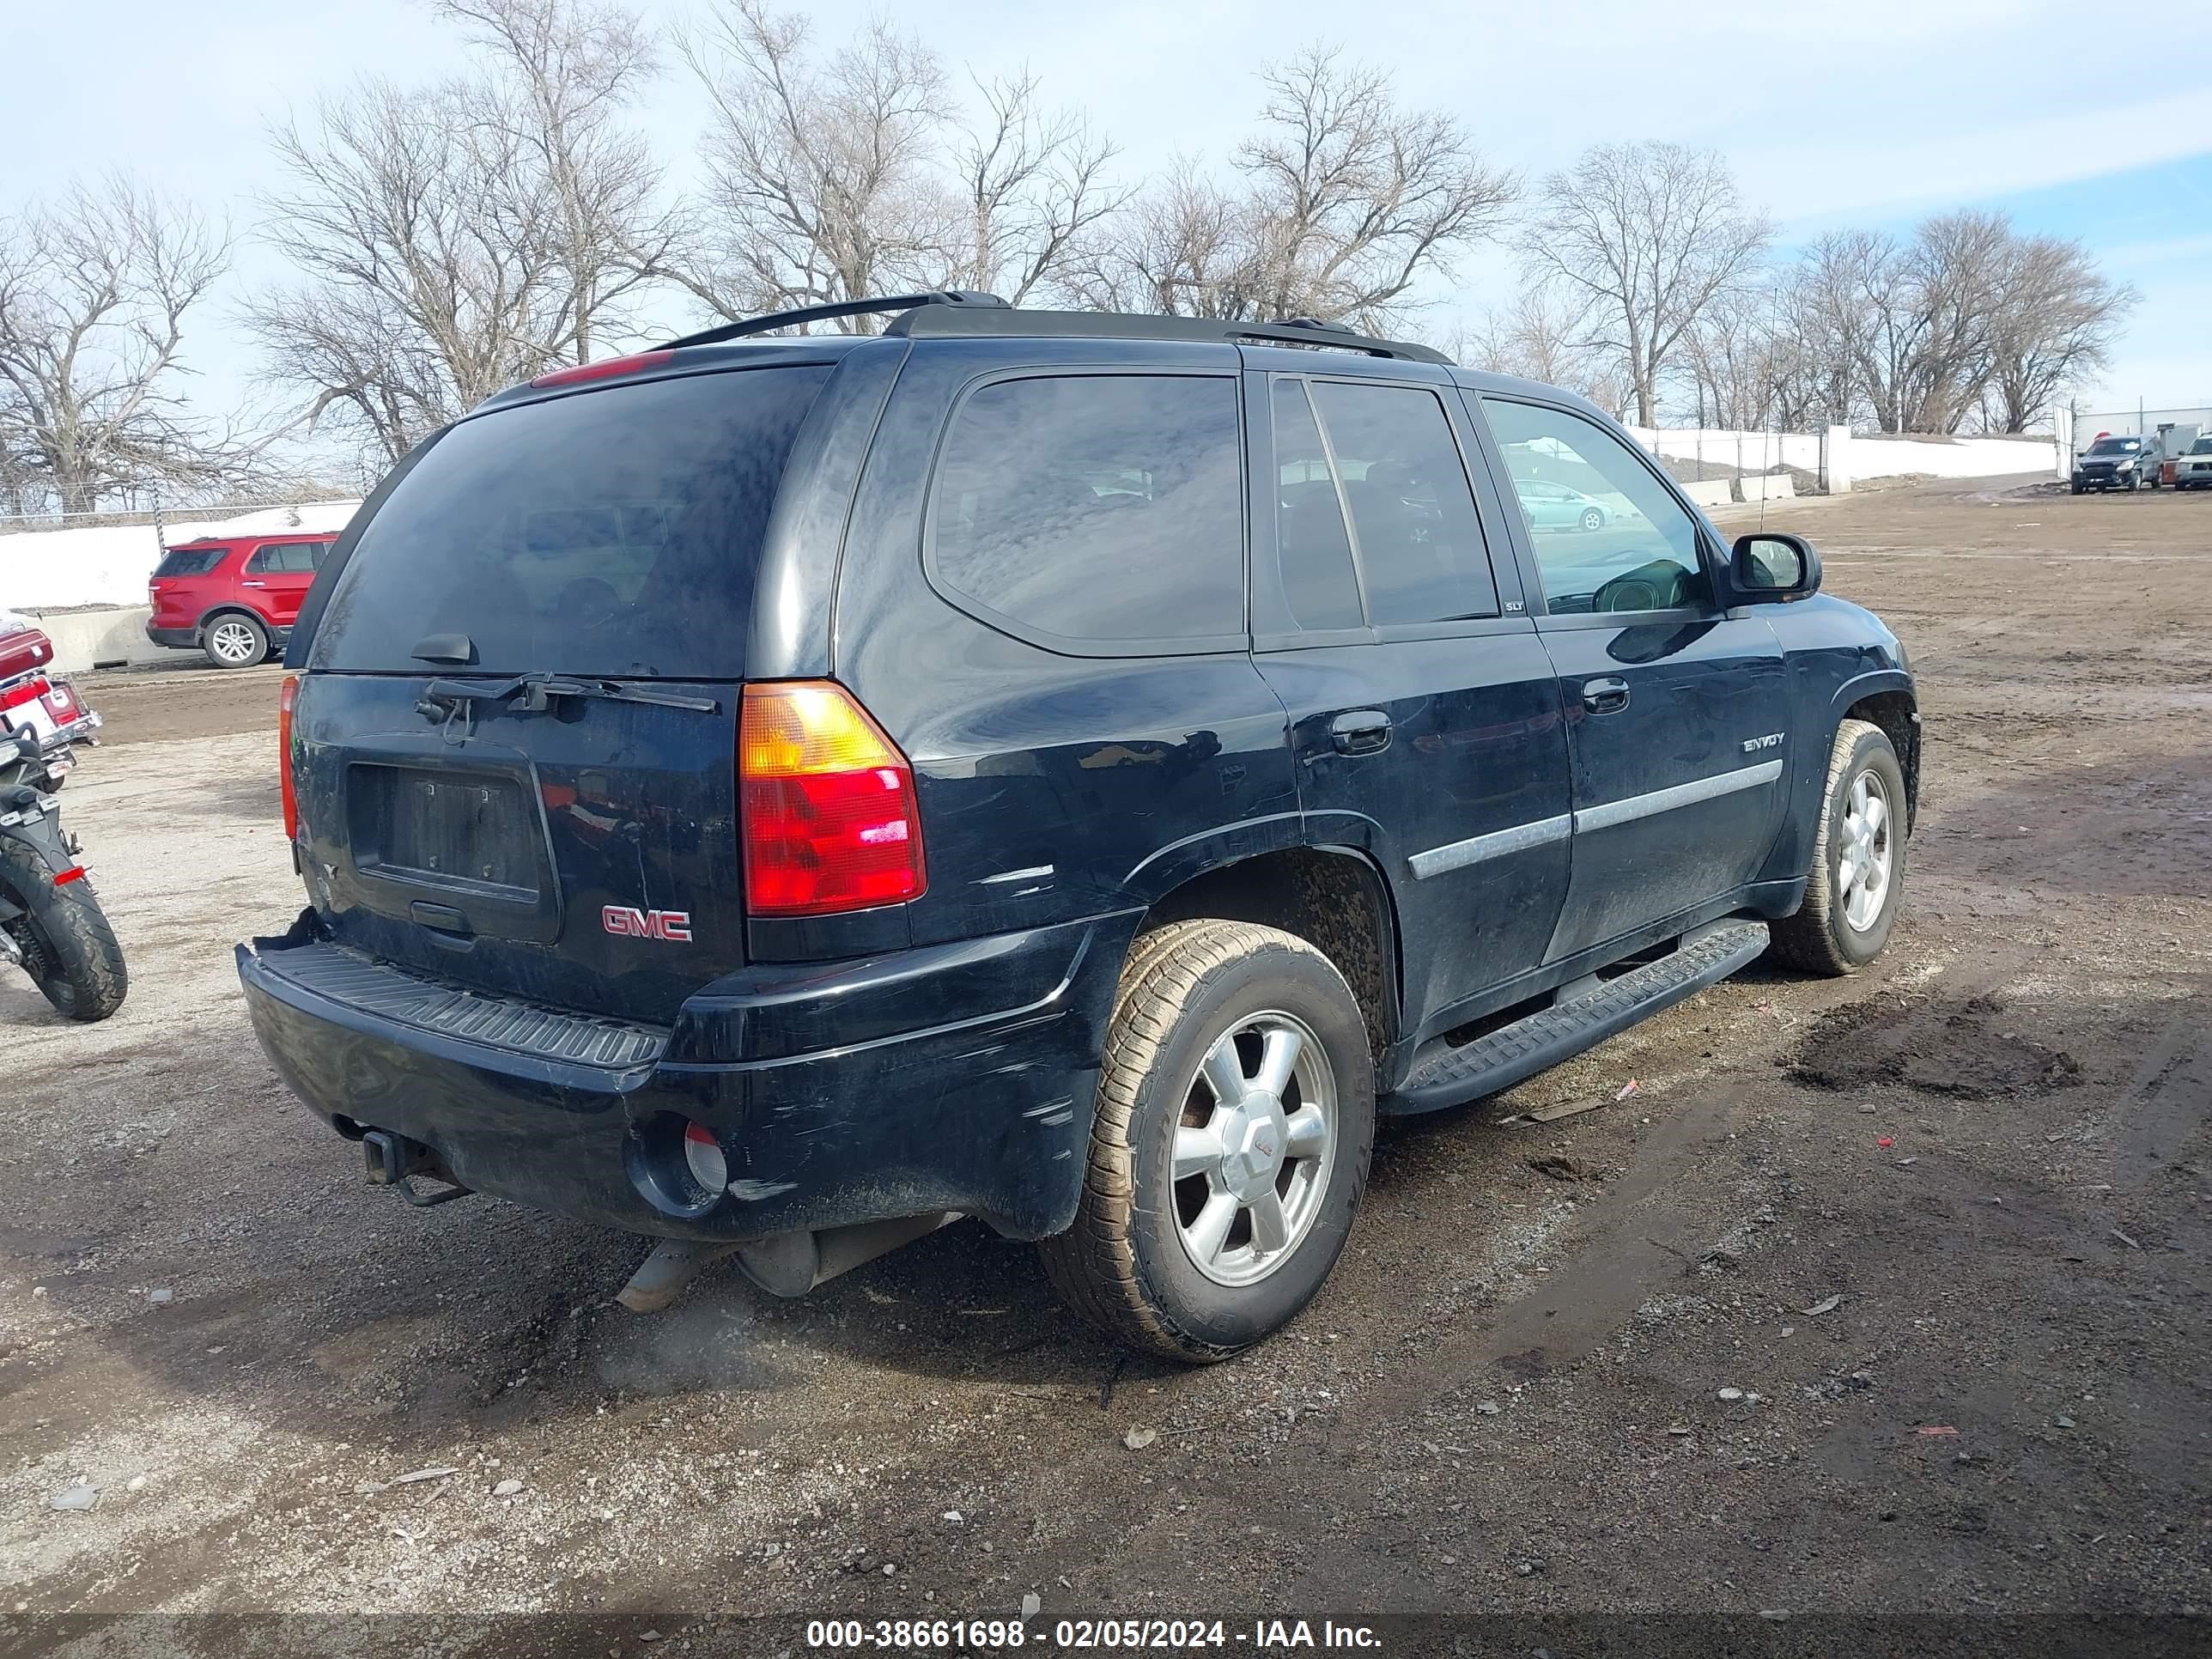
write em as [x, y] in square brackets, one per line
[234, 598]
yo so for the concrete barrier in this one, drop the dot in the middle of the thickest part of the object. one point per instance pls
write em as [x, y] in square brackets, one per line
[1773, 487]
[85, 640]
[1712, 492]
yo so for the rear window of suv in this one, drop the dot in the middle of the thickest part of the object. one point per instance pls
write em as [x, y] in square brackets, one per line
[613, 532]
[190, 561]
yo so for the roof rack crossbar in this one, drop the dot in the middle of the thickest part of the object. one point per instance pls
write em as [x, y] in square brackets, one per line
[776, 320]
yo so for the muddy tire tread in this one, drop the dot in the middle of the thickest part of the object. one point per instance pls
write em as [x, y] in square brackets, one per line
[1806, 941]
[1094, 1265]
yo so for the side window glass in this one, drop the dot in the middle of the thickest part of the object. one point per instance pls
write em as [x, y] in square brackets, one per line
[1607, 535]
[299, 559]
[263, 561]
[1312, 548]
[1422, 557]
[1105, 508]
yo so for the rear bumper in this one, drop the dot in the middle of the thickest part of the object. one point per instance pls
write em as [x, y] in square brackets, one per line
[183, 638]
[952, 1078]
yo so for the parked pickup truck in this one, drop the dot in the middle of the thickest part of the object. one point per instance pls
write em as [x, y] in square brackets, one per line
[776, 795]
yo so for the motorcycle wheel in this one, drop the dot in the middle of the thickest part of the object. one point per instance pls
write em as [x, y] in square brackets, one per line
[69, 948]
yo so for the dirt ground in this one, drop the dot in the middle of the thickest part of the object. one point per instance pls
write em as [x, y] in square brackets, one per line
[1877, 1296]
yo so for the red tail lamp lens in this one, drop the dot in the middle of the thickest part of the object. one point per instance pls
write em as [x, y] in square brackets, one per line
[830, 823]
[285, 699]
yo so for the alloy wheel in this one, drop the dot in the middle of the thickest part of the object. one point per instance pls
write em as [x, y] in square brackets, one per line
[1254, 1147]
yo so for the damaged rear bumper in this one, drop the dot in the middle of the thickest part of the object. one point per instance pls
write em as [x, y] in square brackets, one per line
[840, 1092]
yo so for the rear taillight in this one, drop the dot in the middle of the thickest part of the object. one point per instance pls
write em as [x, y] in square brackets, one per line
[827, 805]
[285, 698]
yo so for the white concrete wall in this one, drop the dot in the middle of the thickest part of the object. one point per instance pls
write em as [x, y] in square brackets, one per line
[1849, 459]
[1874, 457]
[108, 564]
[84, 640]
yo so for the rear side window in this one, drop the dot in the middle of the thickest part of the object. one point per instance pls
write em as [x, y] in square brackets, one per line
[613, 532]
[1105, 511]
[190, 561]
[285, 559]
[1422, 556]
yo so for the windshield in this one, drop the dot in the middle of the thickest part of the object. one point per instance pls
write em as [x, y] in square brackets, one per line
[612, 532]
[2116, 446]
[2202, 447]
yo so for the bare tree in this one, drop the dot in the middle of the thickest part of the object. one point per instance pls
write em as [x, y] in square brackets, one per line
[1644, 237]
[1343, 201]
[565, 72]
[454, 239]
[821, 177]
[1033, 185]
[94, 290]
[429, 280]
[2057, 319]
[1538, 337]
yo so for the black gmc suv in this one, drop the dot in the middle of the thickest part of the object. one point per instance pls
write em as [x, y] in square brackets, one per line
[779, 794]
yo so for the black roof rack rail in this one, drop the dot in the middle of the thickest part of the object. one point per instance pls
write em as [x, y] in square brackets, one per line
[775, 319]
[941, 319]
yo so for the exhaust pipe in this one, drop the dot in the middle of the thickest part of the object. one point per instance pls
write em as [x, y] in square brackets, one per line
[782, 1264]
[792, 1264]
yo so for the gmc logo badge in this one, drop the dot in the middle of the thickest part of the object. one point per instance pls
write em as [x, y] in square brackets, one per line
[674, 925]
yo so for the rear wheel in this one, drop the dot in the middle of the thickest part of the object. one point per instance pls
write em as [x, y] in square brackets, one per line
[1593, 518]
[235, 641]
[1858, 859]
[68, 947]
[1235, 1118]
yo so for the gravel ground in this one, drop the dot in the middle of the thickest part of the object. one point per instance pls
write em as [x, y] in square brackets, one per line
[1876, 1296]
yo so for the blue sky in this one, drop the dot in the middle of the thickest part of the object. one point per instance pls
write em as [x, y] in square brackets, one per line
[1873, 114]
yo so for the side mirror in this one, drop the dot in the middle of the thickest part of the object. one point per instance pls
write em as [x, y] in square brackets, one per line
[1772, 565]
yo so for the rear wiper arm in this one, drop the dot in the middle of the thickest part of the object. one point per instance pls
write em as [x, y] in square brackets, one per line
[538, 690]
[442, 699]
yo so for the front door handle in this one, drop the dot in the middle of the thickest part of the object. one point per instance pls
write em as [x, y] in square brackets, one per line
[1608, 695]
[1363, 732]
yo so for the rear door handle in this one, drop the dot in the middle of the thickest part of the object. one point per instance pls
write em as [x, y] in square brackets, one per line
[1608, 695]
[1363, 732]
[253, 584]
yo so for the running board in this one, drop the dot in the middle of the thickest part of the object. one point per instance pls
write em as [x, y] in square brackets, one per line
[1515, 1053]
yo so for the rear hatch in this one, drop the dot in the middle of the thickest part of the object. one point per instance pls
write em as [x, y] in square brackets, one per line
[179, 588]
[515, 742]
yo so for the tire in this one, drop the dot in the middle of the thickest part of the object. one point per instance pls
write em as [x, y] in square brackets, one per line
[1593, 518]
[1130, 1264]
[234, 639]
[2078, 488]
[69, 948]
[2134, 482]
[1833, 933]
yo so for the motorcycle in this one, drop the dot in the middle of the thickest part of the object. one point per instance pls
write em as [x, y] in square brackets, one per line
[50, 922]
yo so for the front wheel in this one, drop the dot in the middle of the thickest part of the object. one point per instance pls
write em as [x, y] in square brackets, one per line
[1234, 1120]
[63, 937]
[1858, 859]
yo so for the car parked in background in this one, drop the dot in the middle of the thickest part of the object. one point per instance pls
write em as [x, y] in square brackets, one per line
[1560, 507]
[2113, 462]
[235, 598]
[2192, 470]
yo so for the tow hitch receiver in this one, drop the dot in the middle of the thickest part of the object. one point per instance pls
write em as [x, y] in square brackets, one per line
[393, 1159]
